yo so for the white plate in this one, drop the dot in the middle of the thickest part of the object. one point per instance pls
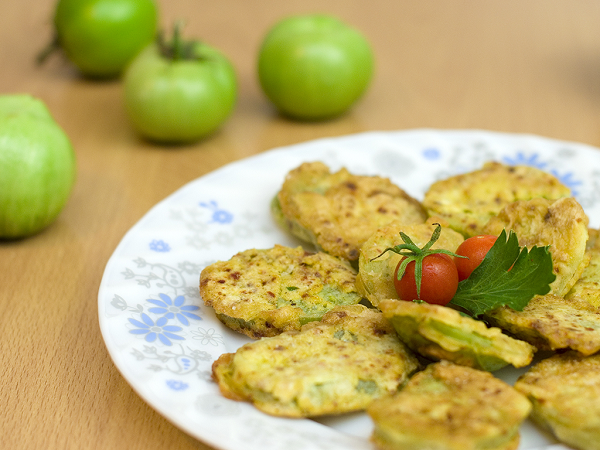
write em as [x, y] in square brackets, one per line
[164, 340]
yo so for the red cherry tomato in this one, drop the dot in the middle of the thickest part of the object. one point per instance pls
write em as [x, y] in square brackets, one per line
[474, 248]
[439, 280]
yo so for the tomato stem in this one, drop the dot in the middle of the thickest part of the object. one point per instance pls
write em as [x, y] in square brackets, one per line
[178, 49]
[177, 45]
[52, 47]
[412, 252]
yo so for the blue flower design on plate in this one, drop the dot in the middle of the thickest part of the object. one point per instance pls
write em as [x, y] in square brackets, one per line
[567, 180]
[177, 385]
[154, 330]
[431, 153]
[218, 215]
[159, 246]
[535, 161]
[521, 159]
[171, 309]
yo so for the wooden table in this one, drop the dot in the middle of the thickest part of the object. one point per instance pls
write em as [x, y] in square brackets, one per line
[511, 65]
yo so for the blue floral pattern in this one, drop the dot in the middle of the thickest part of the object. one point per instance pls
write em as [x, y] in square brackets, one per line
[177, 385]
[174, 309]
[159, 246]
[431, 153]
[535, 160]
[167, 310]
[218, 215]
[516, 157]
[520, 158]
[156, 329]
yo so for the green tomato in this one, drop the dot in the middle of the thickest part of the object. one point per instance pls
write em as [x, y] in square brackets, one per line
[179, 92]
[314, 67]
[37, 166]
[102, 36]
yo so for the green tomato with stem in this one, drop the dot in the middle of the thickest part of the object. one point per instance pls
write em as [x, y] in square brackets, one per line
[314, 67]
[102, 36]
[37, 166]
[179, 91]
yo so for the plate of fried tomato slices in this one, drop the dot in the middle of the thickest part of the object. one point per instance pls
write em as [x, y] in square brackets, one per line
[258, 306]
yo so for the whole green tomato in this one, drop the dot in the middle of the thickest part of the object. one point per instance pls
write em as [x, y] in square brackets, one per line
[314, 66]
[37, 166]
[102, 36]
[179, 92]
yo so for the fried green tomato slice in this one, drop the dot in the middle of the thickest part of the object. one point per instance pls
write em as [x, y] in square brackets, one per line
[337, 212]
[565, 392]
[265, 292]
[552, 323]
[375, 279]
[561, 224]
[467, 201]
[450, 407]
[334, 366]
[587, 286]
[593, 239]
[441, 333]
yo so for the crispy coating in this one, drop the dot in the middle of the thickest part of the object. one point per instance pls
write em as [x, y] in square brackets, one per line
[441, 333]
[593, 241]
[450, 407]
[562, 224]
[334, 366]
[265, 292]
[337, 212]
[565, 392]
[375, 279]
[469, 200]
[552, 323]
[587, 286]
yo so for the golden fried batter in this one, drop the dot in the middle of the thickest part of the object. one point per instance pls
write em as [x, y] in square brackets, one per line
[438, 332]
[565, 392]
[264, 292]
[330, 367]
[552, 323]
[450, 407]
[375, 280]
[593, 241]
[337, 212]
[587, 286]
[562, 224]
[469, 200]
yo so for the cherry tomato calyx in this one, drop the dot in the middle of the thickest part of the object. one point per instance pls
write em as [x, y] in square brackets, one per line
[439, 280]
[416, 257]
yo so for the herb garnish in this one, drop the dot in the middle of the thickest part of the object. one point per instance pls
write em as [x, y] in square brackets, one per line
[508, 276]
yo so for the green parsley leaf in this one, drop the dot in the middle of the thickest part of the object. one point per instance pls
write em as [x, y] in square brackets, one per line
[492, 284]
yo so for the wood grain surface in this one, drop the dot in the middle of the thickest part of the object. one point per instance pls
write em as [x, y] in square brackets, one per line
[512, 65]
